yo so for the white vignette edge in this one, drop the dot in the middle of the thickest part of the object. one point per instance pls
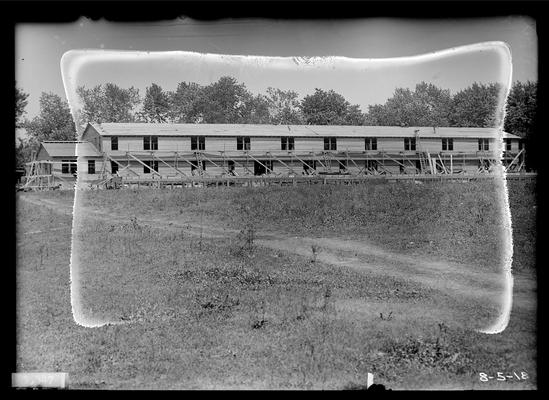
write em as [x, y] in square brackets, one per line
[73, 60]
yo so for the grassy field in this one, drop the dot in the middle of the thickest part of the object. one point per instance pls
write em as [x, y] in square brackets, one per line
[211, 302]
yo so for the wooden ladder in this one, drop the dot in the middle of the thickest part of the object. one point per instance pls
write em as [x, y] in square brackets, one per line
[423, 161]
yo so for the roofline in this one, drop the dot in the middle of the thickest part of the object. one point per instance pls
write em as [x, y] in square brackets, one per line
[101, 131]
[64, 141]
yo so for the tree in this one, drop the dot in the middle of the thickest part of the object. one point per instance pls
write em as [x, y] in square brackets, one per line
[427, 105]
[328, 108]
[107, 103]
[156, 105]
[23, 151]
[476, 106]
[520, 117]
[184, 103]
[284, 107]
[20, 104]
[433, 105]
[354, 115]
[54, 121]
[256, 110]
[223, 102]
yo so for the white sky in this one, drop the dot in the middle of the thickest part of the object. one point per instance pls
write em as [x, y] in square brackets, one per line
[39, 48]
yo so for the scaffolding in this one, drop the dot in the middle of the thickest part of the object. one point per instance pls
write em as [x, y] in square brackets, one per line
[39, 174]
[310, 163]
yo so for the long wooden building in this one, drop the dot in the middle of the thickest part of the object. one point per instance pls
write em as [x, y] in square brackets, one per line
[165, 151]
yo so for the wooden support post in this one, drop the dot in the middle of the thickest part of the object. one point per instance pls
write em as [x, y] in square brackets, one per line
[317, 159]
[514, 159]
[164, 162]
[120, 165]
[255, 159]
[241, 164]
[283, 163]
[442, 164]
[305, 164]
[432, 165]
[223, 166]
[141, 162]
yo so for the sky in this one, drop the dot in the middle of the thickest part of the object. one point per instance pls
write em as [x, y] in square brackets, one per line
[39, 48]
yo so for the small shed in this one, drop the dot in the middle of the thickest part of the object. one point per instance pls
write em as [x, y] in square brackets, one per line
[58, 160]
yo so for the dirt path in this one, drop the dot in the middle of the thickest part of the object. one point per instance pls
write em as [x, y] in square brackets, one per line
[452, 278]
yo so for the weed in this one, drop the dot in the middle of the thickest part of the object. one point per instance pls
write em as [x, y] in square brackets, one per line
[387, 317]
[315, 249]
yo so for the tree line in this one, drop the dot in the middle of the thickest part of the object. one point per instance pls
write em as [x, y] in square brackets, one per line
[228, 101]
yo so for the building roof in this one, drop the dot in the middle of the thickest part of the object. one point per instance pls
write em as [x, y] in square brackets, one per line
[69, 149]
[166, 129]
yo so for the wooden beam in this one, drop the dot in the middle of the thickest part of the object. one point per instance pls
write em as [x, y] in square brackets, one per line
[356, 165]
[120, 165]
[223, 166]
[193, 165]
[314, 155]
[169, 166]
[283, 163]
[433, 168]
[255, 159]
[307, 165]
[242, 164]
[442, 164]
[141, 162]
[514, 159]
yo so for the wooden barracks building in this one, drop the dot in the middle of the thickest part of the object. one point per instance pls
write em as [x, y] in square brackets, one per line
[135, 151]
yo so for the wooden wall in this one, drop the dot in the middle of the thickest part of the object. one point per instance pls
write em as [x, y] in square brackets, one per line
[303, 145]
[91, 135]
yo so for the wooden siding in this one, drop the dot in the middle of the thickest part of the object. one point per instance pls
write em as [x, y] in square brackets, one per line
[350, 144]
[302, 145]
[174, 144]
[91, 135]
[390, 145]
[309, 144]
[264, 144]
[42, 154]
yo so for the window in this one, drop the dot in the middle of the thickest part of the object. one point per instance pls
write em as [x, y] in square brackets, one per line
[447, 144]
[150, 143]
[342, 165]
[508, 144]
[287, 143]
[330, 143]
[371, 144]
[114, 143]
[114, 167]
[150, 164]
[65, 166]
[410, 144]
[91, 167]
[198, 143]
[243, 143]
[483, 145]
[68, 167]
